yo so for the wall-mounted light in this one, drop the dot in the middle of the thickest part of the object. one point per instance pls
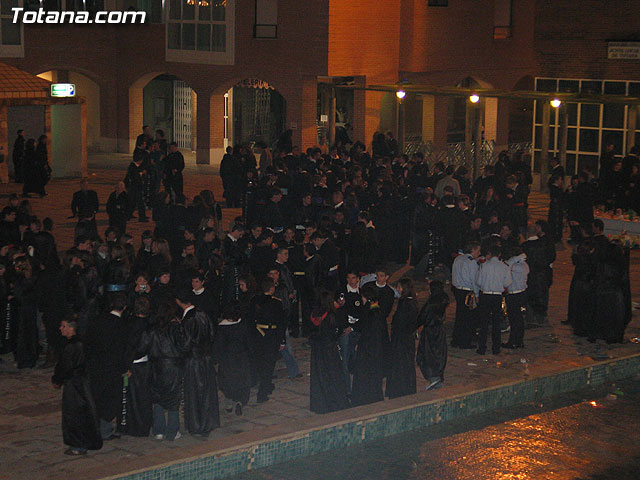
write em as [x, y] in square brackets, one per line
[555, 103]
[474, 98]
[401, 94]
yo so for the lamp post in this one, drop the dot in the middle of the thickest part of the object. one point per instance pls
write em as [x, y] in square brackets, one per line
[400, 95]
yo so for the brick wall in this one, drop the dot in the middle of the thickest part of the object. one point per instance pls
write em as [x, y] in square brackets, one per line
[571, 38]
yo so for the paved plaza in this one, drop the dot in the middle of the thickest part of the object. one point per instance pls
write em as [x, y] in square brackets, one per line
[30, 435]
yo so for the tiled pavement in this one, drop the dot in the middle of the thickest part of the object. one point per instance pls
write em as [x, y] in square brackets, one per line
[30, 436]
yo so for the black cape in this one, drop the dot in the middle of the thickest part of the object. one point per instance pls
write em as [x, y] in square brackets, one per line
[201, 412]
[232, 354]
[80, 423]
[432, 347]
[369, 365]
[402, 375]
[328, 392]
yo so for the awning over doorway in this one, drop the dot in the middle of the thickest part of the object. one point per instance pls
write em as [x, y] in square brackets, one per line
[16, 83]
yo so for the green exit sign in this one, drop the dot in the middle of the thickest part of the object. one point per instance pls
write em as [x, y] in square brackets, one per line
[63, 90]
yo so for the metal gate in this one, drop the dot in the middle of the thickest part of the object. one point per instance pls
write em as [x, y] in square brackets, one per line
[182, 114]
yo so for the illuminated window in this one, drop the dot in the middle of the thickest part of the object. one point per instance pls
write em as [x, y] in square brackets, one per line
[10, 33]
[502, 19]
[200, 31]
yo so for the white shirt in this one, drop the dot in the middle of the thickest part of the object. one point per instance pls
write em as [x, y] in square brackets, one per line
[116, 313]
[187, 310]
[199, 291]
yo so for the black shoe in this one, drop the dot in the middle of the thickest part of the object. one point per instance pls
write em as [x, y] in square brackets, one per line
[113, 436]
[238, 409]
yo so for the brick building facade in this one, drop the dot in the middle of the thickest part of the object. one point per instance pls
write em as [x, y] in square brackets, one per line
[502, 44]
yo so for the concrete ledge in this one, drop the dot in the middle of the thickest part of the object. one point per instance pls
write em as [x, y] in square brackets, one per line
[251, 450]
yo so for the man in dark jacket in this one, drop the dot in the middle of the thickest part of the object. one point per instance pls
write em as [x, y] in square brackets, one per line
[174, 165]
[539, 259]
[268, 321]
[84, 206]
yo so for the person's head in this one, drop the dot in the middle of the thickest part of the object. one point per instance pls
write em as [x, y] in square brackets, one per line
[532, 230]
[197, 281]
[119, 188]
[21, 133]
[597, 226]
[146, 130]
[83, 243]
[493, 250]
[617, 166]
[353, 279]
[173, 147]
[476, 222]
[68, 328]
[473, 249]
[326, 301]
[381, 276]
[8, 214]
[164, 277]
[405, 288]
[505, 230]
[274, 274]
[306, 200]
[275, 195]
[142, 281]
[119, 302]
[237, 230]
[141, 307]
[160, 246]
[268, 286]
[369, 293]
[189, 248]
[282, 255]
[159, 134]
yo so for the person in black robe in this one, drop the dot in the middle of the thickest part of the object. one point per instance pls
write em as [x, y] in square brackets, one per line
[25, 304]
[268, 324]
[556, 208]
[581, 305]
[135, 181]
[107, 364]
[84, 206]
[136, 418]
[327, 391]
[201, 414]
[386, 297]
[166, 343]
[174, 165]
[432, 346]
[18, 157]
[80, 423]
[610, 306]
[539, 259]
[118, 208]
[231, 349]
[402, 375]
[369, 366]
[37, 171]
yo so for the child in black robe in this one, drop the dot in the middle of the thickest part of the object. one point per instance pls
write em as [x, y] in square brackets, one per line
[80, 423]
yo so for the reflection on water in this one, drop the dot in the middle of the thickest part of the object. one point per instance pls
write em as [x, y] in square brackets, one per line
[588, 440]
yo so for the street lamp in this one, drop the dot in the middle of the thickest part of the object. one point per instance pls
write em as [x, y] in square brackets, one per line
[401, 94]
[555, 103]
[474, 98]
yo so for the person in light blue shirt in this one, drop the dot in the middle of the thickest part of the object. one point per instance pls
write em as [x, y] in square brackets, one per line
[516, 295]
[463, 276]
[493, 277]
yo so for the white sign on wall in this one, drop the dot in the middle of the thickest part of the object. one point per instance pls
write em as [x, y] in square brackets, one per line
[624, 50]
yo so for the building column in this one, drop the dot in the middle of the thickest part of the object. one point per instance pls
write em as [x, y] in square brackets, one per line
[203, 128]
[544, 145]
[301, 107]
[435, 111]
[496, 121]
[632, 125]
[216, 118]
[131, 118]
[109, 117]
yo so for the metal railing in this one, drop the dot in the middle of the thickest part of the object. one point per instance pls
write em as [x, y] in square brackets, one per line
[455, 154]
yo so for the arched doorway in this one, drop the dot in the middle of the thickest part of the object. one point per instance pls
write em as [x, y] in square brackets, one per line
[164, 102]
[255, 112]
[90, 90]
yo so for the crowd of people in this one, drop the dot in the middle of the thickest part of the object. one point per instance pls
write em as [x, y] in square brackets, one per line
[195, 310]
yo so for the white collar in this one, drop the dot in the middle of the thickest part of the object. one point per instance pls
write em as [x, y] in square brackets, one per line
[198, 292]
[116, 313]
[230, 322]
[310, 257]
[380, 286]
[231, 237]
[535, 237]
[350, 289]
[187, 310]
[338, 205]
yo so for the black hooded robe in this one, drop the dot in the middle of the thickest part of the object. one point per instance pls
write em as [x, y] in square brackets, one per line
[432, 347]
[80, 423]
[402, 375]
[369, 364]
[201, 413]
